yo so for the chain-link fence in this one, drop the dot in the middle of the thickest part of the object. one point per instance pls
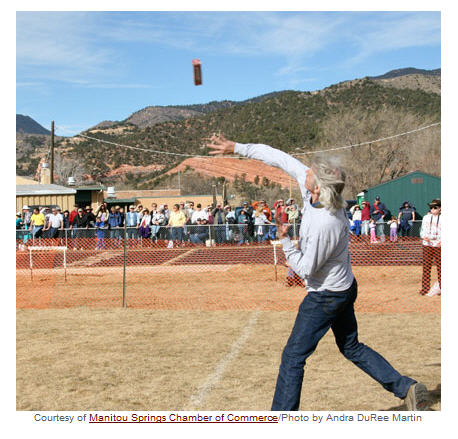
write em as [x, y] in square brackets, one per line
[209, 267]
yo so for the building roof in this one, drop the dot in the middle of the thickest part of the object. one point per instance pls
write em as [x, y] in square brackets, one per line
[179, 196]
[400, 178]
[93, 187]
[120, 200]
[20, 179]
[43, 189]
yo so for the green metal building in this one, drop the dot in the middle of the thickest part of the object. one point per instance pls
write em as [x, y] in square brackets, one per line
[416, 187]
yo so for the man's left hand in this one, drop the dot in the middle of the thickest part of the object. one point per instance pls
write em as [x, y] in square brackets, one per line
[219, 145]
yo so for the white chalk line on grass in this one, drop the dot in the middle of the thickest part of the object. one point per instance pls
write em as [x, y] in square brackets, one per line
[213, 379]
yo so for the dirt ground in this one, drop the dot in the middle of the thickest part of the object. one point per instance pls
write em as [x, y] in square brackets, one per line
[381, 289]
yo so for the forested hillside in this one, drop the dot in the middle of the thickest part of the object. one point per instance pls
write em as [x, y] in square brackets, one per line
[297, 122]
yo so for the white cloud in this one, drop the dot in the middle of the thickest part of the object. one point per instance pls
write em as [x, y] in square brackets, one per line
[69, 130]
[57, 45]
[402, 31]
[85, 48]
[28, 84]
[118, 85]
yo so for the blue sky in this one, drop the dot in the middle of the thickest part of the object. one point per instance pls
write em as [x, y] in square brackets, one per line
[107, 65]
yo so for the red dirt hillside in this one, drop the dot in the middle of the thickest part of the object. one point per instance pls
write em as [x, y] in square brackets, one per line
[230, 167]
[124, 169]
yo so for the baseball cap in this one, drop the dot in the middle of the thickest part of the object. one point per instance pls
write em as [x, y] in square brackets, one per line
[435, 203]
[377, 197]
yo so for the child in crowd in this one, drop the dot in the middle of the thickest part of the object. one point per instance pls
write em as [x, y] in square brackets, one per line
[393, 229]
[100, 230]
[260, 221]
[372, 230]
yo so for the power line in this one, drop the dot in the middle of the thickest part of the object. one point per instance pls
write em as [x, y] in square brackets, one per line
[141, 149]
[370, 142]
[295, 154]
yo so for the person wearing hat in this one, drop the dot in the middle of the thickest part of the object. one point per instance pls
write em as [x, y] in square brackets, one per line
[356, 218]
[378, 212]
[243, 220]
[55, 224]
[114, 225]
[199, 213]
[157, 221]
[132, 223]
[365, 218]
[230, 221]
[37, 222]
[322, 257]
[219, 221]
[248, 208]
[26, 219]
[73, 213]
[27, 215]
[19, 225]
[199, 232]
[176, 224]
[431, 235]
[406, 217]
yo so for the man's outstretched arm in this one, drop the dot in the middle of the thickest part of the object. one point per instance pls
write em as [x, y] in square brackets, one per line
[219, 145]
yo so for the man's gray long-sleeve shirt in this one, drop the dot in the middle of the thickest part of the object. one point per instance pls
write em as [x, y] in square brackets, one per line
[323, 257]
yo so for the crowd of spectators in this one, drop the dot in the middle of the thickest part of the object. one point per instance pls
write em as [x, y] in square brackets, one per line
[181, 223]
[251, 222]
[373, 219]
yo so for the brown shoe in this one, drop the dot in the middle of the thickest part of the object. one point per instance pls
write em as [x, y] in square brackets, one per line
[417, 398]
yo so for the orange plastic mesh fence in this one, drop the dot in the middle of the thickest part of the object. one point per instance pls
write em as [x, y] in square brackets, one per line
[206, 272]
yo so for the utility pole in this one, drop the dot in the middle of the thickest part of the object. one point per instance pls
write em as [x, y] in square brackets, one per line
[51, 166]
[224, 193]
[179, 182]
[214, 196]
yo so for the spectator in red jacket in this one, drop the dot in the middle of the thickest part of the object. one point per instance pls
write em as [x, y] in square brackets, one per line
[73, 214]
[281, 215]
[365, 218]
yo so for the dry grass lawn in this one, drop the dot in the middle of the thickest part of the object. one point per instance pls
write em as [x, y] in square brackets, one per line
[153, 359]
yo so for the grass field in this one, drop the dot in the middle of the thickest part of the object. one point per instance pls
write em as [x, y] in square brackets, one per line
[209, 341]
[88, 359]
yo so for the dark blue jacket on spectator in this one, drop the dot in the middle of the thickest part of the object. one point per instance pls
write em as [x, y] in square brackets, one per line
[114, 219]
[377, 211]
[243, 219]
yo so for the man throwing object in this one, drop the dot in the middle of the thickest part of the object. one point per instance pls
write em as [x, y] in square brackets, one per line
[323, 259]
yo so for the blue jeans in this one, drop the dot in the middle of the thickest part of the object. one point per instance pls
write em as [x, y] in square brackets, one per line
[243, 234]
[380, 228]
[318, 312]
[176, 234]
[132, 232]
[219, 234]
[37, 231]
[357, 228]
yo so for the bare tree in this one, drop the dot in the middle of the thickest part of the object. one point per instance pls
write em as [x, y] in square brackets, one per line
[372, 164]
[64, 168]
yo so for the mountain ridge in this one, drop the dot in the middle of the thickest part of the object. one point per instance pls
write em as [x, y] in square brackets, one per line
[294, 121]
[26, 125]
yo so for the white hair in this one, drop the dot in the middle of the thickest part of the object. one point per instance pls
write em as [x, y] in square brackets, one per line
[330, 177]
